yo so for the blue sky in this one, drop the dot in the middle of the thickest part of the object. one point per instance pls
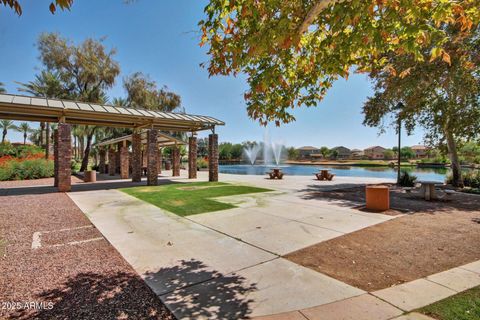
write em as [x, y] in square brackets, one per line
[160, 38]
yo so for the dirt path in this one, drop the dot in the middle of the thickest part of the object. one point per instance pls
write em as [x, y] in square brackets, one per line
[71, 268]
[435, 237]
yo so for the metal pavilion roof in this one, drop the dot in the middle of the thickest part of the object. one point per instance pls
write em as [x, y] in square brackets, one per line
[18, 107]
[163, 139]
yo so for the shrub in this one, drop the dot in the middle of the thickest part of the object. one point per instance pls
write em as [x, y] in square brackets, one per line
[6, 149]
[75, 166]
[470, 178]
[22, 151]
[202, 164]
[28, 169]
[407, 180]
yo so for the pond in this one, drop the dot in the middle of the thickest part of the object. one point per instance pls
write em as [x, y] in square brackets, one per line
[430, 174]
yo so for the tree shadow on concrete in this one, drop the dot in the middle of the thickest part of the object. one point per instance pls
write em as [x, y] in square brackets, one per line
[355, 197]
[100, 296]
[193, 290]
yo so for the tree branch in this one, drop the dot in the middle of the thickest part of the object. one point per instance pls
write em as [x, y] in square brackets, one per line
[313, 13]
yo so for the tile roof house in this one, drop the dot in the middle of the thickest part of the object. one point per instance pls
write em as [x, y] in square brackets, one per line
[342, 152]
[375, 152]
[420, 151]
[357, 154]
[306, 152]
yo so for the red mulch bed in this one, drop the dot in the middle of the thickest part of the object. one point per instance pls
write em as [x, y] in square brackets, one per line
[434, 237]
[82, 281]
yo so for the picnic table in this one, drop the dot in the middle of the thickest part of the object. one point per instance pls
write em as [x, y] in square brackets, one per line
[428, 189]
[275, 173]
[324, 174]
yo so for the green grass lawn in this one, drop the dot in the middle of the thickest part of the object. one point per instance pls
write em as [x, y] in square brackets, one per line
[186, 199]
[462, 306]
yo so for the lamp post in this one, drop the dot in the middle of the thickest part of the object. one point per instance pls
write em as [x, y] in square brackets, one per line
[399, 107]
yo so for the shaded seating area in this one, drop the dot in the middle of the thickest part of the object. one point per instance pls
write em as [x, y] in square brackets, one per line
[147, 126]
[110, 151]
[324, 175]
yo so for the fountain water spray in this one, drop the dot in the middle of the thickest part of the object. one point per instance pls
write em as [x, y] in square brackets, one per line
[272, 151]
[277, 151]
[252, 152]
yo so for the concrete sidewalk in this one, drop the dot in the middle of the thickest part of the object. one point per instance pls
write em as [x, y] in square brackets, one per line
[228, 264]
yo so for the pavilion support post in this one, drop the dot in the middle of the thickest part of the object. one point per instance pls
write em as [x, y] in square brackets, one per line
[124, 165]
[192, 157]
[175, 161]
[55, 158]
[101, 165]
[111, 161]
[136, 157]
[213, 157]
[152, 154]
[63, 158]
[159, 160]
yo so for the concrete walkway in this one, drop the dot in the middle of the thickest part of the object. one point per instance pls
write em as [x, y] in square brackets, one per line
[228, 264]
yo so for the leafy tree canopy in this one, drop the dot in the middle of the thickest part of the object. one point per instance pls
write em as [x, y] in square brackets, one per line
[142, 92]
[441, 97]
[15, 5]
[292, 51]
[87, 70]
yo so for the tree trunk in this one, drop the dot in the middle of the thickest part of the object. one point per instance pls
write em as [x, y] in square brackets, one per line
[42, 128]
[4, 134]
[74, 147]
[452, 151]
[25, 138]
[47, 142]
[86, 153]
[81, 147]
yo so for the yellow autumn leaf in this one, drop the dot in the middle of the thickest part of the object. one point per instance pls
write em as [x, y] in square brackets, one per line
[446, 58]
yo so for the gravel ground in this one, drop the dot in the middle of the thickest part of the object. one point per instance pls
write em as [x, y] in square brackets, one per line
[81, 280]
[36, 182]
[434, 237]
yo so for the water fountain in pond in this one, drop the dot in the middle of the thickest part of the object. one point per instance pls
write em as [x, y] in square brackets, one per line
[252, 152]
[271, 150]
[277, 151]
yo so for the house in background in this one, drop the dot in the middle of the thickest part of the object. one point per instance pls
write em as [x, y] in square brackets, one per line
[375, 152]
[357, 154]
[342, 152]
[420, 151]
[307, 152]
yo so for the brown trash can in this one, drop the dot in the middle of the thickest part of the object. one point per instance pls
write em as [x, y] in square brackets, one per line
[377, 198]
[90, 176]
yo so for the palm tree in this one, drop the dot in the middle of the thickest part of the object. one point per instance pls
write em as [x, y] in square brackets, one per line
[2, 87]
[25, 128]
[47, 85]
[6, 125]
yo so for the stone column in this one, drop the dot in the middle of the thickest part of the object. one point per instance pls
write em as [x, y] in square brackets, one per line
[111, 161]
[213, 157]
[64, 157]
[175, 161]
[101, 165]
[136, 157]
[152, 153]
[159, 160]
[192, 157]
[124, 165]
[55, 158]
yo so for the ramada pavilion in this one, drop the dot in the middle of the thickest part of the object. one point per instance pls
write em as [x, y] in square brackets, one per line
[146, 125]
